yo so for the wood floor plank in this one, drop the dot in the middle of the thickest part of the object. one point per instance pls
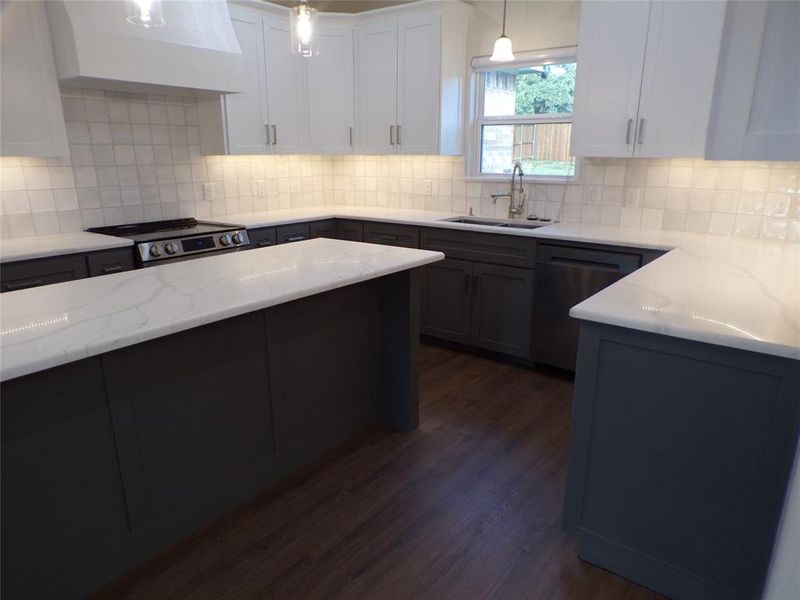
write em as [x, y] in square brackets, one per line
[468, 506]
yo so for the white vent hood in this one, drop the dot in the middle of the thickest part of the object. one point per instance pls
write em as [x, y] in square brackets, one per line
[194, 51]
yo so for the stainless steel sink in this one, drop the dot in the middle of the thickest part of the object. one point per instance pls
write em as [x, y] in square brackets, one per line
[496, 222]
[522, 225]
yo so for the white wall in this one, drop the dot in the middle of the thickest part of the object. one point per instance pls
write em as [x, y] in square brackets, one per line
[531, 25]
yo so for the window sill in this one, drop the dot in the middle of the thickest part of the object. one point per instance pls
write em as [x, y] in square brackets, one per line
[525, 178]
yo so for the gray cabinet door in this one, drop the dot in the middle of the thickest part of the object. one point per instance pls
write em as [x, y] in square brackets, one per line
[446, 300]
[502, 305]
[323, 229]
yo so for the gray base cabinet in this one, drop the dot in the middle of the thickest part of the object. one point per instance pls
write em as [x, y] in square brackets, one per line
[501, 309]
[679, 461]
[447, 300]
[20, 275]
[483, 305]
[108, 460]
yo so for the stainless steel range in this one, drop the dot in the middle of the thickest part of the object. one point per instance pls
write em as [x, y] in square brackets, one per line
[178, 239]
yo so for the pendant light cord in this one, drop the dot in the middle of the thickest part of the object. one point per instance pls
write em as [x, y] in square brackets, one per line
[504, 18]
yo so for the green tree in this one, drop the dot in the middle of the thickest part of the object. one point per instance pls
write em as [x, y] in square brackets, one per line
[549, 90]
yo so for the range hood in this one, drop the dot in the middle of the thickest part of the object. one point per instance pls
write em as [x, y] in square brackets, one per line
[194, 51]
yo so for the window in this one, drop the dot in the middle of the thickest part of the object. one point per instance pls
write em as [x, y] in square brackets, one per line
[525, 114]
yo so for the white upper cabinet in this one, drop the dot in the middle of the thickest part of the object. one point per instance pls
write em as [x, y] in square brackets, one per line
[286, 114]
[418, 84]
[411, 68]
[678, 83]
[331, 111]
[611, 51]
[756, 114]
[645, 77]
[246, 113]
[382, 85]
[32, 120]
[377, 87]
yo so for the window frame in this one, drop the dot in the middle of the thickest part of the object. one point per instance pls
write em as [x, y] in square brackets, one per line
[480, 66]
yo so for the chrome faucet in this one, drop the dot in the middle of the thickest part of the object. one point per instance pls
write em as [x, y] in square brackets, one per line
[513, 209]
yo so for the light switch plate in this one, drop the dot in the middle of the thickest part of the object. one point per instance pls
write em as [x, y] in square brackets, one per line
[208, 191]
[428, 187]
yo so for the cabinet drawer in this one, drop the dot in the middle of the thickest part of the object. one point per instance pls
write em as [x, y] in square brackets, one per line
[350, 230]
[33, 273]
[261, 237]
[391, 235]
[482, 247]
[323, 229]
[110, 261]
[293, 233]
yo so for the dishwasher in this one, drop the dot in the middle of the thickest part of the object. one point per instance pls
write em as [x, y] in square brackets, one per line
[565, 276]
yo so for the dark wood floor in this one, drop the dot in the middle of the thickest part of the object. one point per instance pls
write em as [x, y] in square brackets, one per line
[467, 507]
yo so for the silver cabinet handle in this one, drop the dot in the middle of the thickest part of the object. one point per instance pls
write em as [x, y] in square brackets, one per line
[351, 136]
[398, 135]
[266, 132]
[641, 130]
[391, 135]
[628, 131]
[274, 134]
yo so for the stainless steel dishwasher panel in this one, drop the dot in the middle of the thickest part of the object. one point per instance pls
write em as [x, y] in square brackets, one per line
[565, 276]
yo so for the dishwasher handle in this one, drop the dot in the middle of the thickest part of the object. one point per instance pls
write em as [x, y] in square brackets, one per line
[588, 258]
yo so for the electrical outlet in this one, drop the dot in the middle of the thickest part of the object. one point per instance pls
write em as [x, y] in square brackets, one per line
[632, 197]
[262, 187]
[428, 187]
[208, 191]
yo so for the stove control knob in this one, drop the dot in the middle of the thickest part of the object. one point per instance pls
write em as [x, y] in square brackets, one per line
[225, 239]
[155, 251]
[171, 248]
[237, 238]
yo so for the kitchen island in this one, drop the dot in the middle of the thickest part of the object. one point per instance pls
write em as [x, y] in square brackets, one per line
[140, 406]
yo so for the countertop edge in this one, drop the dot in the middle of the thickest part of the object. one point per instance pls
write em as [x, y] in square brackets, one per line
[144, 335]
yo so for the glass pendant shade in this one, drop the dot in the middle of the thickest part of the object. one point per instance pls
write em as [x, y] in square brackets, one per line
[145, 13]
[303, 23]
[502, 50]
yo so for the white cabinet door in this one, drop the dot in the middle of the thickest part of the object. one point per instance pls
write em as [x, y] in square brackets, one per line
[756, 111]
[31, 118]
[377, 88]
[678, 83]
[330, 92]
[246, 112]
[418, 58]
[611, 51]
[286, 114]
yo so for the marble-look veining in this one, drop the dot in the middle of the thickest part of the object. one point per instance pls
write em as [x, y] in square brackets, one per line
[734, 292]
[741, 294]
[53, 325]
[728, 291]
[41, 246]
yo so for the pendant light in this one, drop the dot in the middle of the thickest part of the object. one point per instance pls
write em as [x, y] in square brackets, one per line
[145, 13]
[303, 23]
[502, 46]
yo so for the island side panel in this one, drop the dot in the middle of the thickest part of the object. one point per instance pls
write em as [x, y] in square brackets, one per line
[193, 420]
[145, 444]
[399, 350]
[63, 505]
[679, 461]
[323, 370]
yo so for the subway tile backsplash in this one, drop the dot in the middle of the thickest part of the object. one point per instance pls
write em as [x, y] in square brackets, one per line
[136, 158]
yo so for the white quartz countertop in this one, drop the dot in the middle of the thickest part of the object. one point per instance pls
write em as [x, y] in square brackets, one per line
[53, 325]
[728, 291]
[41, 246]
